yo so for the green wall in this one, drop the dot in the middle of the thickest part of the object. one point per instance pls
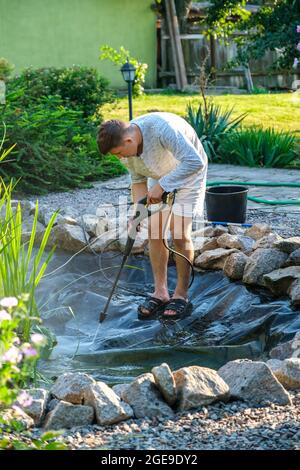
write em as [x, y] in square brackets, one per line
[65, 32]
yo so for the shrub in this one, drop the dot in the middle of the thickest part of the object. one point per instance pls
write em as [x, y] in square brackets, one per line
[258, 147]
[79, 88]
[212, 125]
[56, 147]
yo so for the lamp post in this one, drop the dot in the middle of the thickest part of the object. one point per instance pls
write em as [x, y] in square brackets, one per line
[128, 72]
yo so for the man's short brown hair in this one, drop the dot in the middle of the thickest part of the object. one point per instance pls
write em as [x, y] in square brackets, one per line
[111, 134]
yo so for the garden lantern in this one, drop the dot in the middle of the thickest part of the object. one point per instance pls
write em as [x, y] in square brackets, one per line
[128, 73]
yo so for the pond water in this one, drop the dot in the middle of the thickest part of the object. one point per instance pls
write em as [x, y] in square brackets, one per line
[229, 321]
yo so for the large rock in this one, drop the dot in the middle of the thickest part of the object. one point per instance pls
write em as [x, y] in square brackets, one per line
[37, 408]
[288, 245]
[197, 386]
[145, 399]
[65, 416]
[234, 265]
[258, 231]
[107, 405]
[93, 224]
[72, 387]
[68, 237]
[235, 230]
[253, 382]
[288, 373]
[287, 349]
[294, 258]
[140, 242]
[119, 389]
[279, 281]
[108, 241]
[267, 241]
[165, 382]
[262, 261]
[294, 293]
[202, 244]
[213, 259]
[240, 242]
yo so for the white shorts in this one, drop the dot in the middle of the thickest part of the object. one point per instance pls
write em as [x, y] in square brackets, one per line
[189, 201]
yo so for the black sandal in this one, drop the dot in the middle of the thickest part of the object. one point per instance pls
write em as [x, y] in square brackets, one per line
[182, 308]
[154, 307]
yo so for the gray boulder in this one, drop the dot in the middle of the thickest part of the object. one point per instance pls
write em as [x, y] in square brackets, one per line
[108, 241]
[213, 259]
[119, 389]
[258, 231]
[253, 382]
[197, 386]
[288, 245]
[16, 414]
[71, 387]
[262, 261]
[235, 265]
[66, 416]
[288, 373]
[280, 280]
[267, 241]
[107, 405]
[68, 237]
[294, 293]
[294, 258]
[143, 396]
[165, 382]
[287, 349]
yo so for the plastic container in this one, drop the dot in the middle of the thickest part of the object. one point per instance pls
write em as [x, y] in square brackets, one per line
[226, 203]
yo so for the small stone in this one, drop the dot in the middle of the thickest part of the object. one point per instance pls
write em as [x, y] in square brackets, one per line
[165, 382]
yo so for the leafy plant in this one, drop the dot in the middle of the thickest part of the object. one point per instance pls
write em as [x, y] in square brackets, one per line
[79, 88]
[212, 125]
[258, 147]
[56, 147]
[119, 57]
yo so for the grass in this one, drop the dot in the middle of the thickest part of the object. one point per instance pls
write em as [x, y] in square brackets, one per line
[279, 110]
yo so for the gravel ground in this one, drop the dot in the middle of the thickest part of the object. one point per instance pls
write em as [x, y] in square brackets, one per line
[87, 200]
[232, 426]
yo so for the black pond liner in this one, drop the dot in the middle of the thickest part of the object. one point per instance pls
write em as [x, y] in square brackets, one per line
[229, 321]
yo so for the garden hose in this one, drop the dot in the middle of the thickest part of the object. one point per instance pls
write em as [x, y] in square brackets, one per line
[261, 183]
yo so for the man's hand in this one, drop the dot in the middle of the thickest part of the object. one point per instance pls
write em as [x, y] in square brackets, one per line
[154, 194]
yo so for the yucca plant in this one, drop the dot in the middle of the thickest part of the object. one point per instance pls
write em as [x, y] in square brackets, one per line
[20, 268]
[212, 124]
[257, 147]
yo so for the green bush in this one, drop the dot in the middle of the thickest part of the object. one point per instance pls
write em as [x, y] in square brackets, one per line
[56, 147]
[258, 148]
[80, 88]
[212, 125]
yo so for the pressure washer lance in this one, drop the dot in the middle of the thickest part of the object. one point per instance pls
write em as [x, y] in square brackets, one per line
[142, 212]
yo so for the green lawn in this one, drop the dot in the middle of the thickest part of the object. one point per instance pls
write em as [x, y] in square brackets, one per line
[281, 111]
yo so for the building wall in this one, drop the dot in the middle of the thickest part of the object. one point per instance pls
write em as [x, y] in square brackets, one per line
[58, 33]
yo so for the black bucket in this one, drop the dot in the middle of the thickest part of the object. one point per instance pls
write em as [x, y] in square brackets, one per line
[226, 203]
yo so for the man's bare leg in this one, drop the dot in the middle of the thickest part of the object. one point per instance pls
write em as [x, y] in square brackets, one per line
[181, 228]
[159, 255]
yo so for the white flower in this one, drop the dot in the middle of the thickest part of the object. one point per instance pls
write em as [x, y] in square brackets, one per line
[38, 340]
[8, 302]
[24, 399]
[4, 316]
[12, 355]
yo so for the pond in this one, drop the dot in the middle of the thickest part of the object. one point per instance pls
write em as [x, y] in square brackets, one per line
[229, 320]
